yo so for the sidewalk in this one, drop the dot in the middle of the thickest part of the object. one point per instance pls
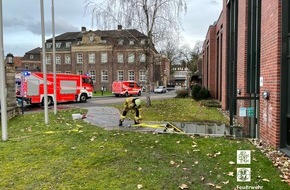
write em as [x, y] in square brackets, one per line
[108, 118]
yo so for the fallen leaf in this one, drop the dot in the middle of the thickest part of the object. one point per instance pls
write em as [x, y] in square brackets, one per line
[202, 178]
[183, 186]
[172, 162]
[93, 138]
[231, 174]
[232, 163]
[211, 184]
[218, 187]
[266, 180]
[177, 142]
[225, 182]
[139, 186]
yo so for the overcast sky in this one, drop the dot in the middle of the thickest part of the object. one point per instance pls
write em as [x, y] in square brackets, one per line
[22, 21]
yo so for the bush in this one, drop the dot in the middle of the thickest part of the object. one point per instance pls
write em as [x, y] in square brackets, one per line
[200, 93]
[182, 93]
[210, 103]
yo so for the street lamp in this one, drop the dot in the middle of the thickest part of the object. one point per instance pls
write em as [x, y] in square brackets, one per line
[10, 59]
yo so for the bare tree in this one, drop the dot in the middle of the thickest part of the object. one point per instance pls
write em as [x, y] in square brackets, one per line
[152, 17]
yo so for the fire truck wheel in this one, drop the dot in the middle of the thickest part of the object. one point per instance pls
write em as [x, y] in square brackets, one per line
[49, 101]
[139, 93]
[126, 94]
[83, 98]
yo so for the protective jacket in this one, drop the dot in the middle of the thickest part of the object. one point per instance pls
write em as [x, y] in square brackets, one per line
[134, 105]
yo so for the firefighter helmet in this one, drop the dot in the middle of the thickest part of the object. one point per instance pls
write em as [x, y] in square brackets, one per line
[137, 102]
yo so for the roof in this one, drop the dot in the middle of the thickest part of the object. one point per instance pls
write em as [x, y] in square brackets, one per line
[17, 61]
[124, 33]
[34, 51]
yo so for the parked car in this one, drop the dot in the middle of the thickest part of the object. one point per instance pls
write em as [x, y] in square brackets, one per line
[126, 88]
[160, 89]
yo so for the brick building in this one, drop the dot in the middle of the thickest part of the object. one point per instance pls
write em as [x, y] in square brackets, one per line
[106, 55]
[246, 67]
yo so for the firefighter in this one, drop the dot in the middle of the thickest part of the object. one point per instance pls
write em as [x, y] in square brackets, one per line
[131, 104]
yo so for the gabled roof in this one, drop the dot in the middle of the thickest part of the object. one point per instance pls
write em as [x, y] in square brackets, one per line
[34, 51]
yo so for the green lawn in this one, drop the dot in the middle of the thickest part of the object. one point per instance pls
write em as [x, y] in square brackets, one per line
[72, 154]
[102, 93]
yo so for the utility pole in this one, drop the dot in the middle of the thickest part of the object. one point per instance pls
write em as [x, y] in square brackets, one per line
[2, 81]
[44, 63]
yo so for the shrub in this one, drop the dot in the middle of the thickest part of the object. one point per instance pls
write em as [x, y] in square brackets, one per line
[182, 93]
[210, 103]
[200, 93]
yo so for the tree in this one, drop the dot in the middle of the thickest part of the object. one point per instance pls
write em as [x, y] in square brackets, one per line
[152, 17]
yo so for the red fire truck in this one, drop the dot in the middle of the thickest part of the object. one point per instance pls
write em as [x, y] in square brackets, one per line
[126, 88]
[69, 87]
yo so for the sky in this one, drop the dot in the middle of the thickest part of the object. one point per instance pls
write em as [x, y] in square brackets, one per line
[22, 21]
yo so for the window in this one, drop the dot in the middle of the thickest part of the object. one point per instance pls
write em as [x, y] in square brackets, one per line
[58, 45]
[91, 58]
[142, 42]
[131, 42]
[104, 57]
[67, 72]
[93, 75]
[48, 45]
[131, 75]
[48, 60]
[120, 58]
[35, 66]
[58, 59]
[67, 44]
[120, 75]
[31, 56]
[120, 42]
[142, 76]
[26, 66]
[131, 58]
[104, 76]
[142, 57]
[67, 59]
[80, 72]
[79, 58]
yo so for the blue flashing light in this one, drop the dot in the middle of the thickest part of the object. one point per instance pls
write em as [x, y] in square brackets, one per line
[26, 73]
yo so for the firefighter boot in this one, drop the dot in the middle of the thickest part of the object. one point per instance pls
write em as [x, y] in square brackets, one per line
[136, 121]
[120, 123]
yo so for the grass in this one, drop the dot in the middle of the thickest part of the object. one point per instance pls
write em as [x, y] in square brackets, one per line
[180, 110]
[104, 93]
[72, 154]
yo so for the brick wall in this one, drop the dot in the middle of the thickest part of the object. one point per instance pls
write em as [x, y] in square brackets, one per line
[270, 71]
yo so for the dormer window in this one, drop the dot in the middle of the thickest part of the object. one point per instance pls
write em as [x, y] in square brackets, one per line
[31, 56]
[58, 44]
[67, 44]
[120, 42]
[131, 42]
[142, 42]
[48, 45]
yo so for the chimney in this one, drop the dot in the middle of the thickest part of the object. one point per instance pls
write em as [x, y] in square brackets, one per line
[119, 27]
[83, 29]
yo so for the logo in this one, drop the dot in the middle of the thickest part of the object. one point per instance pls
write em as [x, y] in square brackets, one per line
[243, 174]
[243, 157]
